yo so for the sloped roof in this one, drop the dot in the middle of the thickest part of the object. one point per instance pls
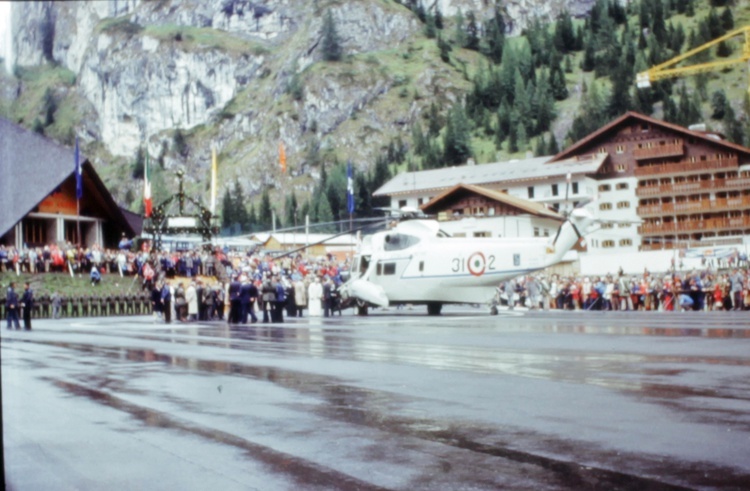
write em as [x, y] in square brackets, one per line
[495, 173]
[531, 207]
[630, 116]
[301, 238]
[32, 166]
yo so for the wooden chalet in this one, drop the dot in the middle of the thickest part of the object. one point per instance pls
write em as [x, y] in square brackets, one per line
[38, 195]
[693, 187]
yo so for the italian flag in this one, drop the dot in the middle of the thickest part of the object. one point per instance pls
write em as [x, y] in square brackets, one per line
[147, 202]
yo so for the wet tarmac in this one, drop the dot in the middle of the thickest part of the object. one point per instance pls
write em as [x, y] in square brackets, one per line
[396, 400]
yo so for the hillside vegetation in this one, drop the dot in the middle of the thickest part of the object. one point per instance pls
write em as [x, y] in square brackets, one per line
[458, 89]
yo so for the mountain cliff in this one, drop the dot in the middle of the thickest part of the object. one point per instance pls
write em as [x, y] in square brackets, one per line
[171, 78]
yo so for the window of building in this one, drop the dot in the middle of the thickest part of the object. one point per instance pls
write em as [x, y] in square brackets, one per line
[620, 149]
[624, 225]
[531, 192]
[622, 185]
[623, 204]
[620, 168]
[536, 231]
[626, 242]
[554, 190]
[605, 206]
[401, 203]
[482, 234]
[574, 187]
[607, 225]
[608, 243]
[35, 232]
[604, 187]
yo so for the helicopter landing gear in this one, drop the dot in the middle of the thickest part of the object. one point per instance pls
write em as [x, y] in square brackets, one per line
[361, 307]
[434, 308]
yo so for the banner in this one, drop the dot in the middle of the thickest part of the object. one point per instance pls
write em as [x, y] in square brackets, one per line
[147, 201]
[282, 157]
[79, 173]
[349, 188]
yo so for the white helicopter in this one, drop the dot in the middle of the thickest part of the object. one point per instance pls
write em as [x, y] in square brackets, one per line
[416, 263]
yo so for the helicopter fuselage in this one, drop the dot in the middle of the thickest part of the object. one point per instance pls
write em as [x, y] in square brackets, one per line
[416, 263]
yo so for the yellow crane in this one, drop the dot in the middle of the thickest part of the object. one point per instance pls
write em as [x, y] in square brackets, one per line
[668, 70]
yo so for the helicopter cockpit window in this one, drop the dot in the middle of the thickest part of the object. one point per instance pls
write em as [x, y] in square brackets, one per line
[398, 242]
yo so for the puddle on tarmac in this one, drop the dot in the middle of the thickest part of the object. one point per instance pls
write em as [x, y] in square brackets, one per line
[693, 332]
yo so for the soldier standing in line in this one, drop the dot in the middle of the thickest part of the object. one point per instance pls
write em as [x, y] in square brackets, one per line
[27, 302]
[11, 306]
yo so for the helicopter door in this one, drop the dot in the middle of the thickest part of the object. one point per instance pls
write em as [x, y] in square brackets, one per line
[363, 264]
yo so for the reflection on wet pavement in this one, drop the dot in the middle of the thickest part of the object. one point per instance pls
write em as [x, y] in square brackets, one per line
[706, 385]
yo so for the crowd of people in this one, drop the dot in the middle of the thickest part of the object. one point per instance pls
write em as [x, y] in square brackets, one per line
[254, 286]
[259, 287]
[675, 291]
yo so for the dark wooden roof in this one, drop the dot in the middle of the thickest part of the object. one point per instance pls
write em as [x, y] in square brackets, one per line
[631, 116]
[33, 166]
[525, 206]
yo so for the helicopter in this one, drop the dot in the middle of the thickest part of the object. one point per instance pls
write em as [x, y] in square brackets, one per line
[416, 263]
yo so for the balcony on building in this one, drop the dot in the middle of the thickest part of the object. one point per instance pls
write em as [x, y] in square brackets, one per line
[687, 167]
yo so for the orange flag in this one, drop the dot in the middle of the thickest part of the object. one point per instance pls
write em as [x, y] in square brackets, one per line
[282, 157]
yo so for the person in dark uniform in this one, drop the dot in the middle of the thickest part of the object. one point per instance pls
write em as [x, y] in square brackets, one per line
[166, 302]
[327, 297]
[278, 307]
[11, 306]
[248, 294]
[156, 306]
[27, 302]
[235, 302]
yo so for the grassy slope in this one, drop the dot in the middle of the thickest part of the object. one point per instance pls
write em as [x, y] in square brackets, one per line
[402, 67]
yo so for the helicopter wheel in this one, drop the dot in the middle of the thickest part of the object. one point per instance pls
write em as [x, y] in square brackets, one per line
[434, 308]
[493, 310]
[361, 307]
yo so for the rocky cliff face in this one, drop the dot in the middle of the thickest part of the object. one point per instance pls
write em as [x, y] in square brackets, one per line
[220, 69]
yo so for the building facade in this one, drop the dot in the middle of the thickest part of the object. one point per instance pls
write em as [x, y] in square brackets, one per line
[38, 196]
[657, 188]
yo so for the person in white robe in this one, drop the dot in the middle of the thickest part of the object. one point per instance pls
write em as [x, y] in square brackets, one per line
[314, 296]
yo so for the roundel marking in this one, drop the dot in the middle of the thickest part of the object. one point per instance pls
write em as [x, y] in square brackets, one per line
[476, 264]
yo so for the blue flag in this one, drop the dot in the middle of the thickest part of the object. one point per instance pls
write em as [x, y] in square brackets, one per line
[79, 174]
[349, 188]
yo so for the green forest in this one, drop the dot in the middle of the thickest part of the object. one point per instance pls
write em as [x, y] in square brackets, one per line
[520, 85]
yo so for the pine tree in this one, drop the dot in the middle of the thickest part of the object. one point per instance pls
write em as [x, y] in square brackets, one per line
[472, 32]
[265, 212]
[541, 147]
[438, 17]
[727, 19]
[723, 50]
[290, 210]
[331, 44]
[494, 38]
[227, 210]
[238, 206]
[719, 104]
[457, 137]
[553, 148]
[445, 49]
[139, 165]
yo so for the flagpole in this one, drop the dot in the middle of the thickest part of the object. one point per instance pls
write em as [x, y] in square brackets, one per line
[79, 192]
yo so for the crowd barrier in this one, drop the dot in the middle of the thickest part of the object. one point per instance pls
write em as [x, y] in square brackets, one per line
[88, 306]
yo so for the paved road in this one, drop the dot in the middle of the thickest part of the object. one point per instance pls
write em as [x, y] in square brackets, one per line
[397, 400]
